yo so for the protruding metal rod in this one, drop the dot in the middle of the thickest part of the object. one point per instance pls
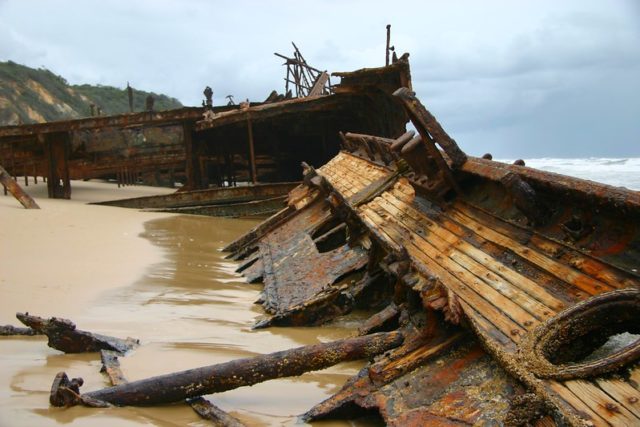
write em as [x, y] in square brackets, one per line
[386, 61]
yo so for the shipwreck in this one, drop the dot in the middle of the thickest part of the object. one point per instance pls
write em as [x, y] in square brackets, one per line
[505, 295]
[499, 289]
[507, 282]
[222, 149]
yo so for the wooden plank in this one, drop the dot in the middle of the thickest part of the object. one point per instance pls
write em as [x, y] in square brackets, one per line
[578, 405]
[590, 266]
[504, 323]
[559, 270]
[531, 277]
[583, 262]
[622, 392]
[451, 248]
[545, 422]
[596, 399]
[449, 271]
[349, 179]
[635, 377]
[486, 329]
[380, 234]
[496, 267]
[111, 367]
[318, 86]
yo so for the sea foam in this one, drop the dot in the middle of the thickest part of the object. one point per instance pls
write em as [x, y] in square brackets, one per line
[620, 172]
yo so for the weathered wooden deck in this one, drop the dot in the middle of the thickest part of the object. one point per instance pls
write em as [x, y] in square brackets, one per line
[507, 251]
[508, 280]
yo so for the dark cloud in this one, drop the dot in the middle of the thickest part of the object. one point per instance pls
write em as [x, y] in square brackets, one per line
[516, 78]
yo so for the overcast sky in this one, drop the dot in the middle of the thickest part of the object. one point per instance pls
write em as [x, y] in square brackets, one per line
[515, 78]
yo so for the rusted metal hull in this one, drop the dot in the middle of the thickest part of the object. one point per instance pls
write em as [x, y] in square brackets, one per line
[251, 200]
[264, 207]
[505, 251]
[200, 148]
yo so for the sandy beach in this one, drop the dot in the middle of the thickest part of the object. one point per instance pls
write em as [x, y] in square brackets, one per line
[156, 277]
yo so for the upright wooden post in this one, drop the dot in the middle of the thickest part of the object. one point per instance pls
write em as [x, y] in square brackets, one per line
[252, 154]
[56, 148]
[192, 166]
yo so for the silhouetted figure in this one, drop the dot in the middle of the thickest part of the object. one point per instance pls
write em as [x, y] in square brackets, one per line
[149, 103]
[93, 109]
[519, 162]
[487, 156]
[130, 95]
[208, 95]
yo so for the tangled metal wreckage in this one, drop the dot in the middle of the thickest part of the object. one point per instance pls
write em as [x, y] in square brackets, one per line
[505, 281]
[506, 295]
[225, 146]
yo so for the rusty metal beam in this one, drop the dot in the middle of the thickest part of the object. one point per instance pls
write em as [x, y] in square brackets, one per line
[230, 375]
[252, 151]
[123, 120]
[64, 336]
[15, 189]
[218, 196]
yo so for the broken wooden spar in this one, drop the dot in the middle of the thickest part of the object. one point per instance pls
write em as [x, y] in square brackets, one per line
[227, 376]
[204, 408]
[17, 191]
[64, 336]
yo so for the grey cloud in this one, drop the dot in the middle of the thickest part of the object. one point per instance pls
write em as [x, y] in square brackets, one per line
[514, 77]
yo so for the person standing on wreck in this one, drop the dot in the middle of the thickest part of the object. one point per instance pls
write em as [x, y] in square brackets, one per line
[208, 94]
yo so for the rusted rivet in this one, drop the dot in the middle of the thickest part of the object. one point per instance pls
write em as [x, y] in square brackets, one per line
[515, 332]
[612, 407]
[633, 399]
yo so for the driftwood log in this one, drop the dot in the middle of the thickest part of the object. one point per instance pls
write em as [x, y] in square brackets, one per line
[17, 191]
[196, 382]
[9, 330]
[204, 408]
[64, 336]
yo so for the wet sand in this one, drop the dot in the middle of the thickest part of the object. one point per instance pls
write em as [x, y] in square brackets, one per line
[156, 277]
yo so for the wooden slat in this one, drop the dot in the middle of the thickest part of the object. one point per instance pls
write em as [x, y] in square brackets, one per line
[380, 234]
[541, 281]
[487, 329]
[350, 175]
[458, 250]
[582, 262]
[600, 402]
[451, 269]
[526, 284]
[635, 377]
[545, 422]
[503, 322]
[623, 392]
[575, 402]
[561, 271]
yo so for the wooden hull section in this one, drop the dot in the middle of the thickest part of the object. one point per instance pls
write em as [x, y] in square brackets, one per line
[504, 251]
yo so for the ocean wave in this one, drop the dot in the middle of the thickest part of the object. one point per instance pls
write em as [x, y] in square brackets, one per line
[620, 172]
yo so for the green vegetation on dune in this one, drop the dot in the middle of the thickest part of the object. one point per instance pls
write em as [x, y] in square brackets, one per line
[29, 95]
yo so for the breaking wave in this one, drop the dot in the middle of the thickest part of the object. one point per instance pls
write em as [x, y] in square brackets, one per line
[621, 172]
